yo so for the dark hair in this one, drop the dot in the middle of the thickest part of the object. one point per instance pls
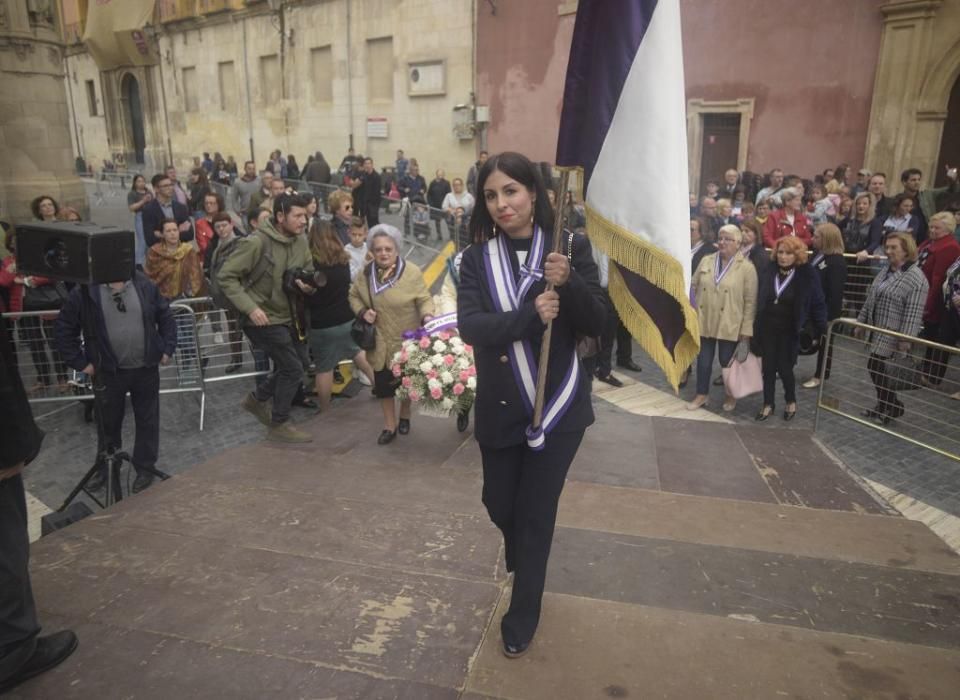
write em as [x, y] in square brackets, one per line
[201, 176]
[899, 199]
[164, 222]
[357, 222]
[253, 215]
[220, 203]
[285, 202]
[35, 205]
[248, 162]
[908, 173]
[221, 216]
[517, 167]
[133, 182]
[325, 247]
[158, 178]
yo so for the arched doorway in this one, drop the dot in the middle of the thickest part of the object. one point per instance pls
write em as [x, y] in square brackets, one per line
[130, 90]
[950, 144]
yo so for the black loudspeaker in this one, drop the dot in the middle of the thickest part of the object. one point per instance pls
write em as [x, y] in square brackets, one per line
[60, 519]
[78, 252]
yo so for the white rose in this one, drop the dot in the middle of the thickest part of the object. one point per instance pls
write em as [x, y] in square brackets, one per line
[447, 403]
[463, 362]
[446, 378]
[437, 360]
[439, 346]
[426, 366]
[456, 343]
[434, 384]
[472, 383]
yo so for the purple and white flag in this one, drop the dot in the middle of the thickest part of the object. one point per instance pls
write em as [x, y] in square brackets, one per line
[624, 124]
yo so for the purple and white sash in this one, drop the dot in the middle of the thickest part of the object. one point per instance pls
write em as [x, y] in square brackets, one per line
[444, 322]
[380, 287]
[508, 295]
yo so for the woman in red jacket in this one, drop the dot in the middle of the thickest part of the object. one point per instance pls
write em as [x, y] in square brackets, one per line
[935, 256]
[788, 221]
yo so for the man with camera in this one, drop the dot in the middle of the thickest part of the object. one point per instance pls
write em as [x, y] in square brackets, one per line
[23, 654]
[253, 280]
[135, 333]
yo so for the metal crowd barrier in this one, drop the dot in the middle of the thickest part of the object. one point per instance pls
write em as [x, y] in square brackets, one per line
[915, 391]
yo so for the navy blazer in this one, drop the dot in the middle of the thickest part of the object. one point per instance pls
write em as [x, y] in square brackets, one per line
[153, 216]
[500, 418]
[159, 327]
[809, 301]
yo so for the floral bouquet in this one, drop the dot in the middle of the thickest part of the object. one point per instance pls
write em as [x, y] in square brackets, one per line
[435, 368]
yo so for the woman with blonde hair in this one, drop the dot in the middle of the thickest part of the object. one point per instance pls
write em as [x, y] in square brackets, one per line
[789, 296]
[725, 290]
[340, 206]
[832, 271]
[330, 314]
[894, 302]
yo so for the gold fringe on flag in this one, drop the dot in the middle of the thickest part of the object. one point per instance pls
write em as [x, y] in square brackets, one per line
[659, 269]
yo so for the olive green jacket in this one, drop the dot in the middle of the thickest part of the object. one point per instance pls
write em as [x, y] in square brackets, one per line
[266, 293]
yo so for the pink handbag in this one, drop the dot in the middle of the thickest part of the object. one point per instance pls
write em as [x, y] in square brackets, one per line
[743, 378]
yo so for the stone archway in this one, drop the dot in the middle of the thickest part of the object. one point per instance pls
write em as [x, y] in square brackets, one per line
[135, 135]
[940, 105]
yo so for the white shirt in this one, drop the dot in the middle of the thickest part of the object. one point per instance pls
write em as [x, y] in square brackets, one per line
[464, 200]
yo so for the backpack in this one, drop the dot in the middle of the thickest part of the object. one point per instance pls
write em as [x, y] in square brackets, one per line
[263, 266]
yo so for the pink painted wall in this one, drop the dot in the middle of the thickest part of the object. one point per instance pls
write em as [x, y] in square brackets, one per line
[811, 75]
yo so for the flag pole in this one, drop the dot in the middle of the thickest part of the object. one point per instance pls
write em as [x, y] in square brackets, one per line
[559, 220]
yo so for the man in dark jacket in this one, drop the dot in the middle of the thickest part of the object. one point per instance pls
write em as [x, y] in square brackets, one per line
[164, 206]
[23, 654]
[317, 170]
[366, 194]
[135, 332]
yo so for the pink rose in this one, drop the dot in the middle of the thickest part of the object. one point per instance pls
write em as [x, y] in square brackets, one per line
[432, 374]
[407, 382]
[414, 395]
[403, 356]
[436, 393]
[448, 360]
[424, 343]
[444, 335]
[464, 375]
[458, 389]
[472, 370]
[468, 348]
[396, 370]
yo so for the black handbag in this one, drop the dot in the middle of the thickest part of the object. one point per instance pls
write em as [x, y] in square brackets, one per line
[902, 373]
[809, 339]
[47, 297]
[364, 334]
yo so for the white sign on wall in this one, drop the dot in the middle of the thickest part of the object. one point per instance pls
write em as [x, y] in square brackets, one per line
[377, 128]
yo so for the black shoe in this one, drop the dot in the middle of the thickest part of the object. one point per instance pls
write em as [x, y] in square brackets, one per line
[871, 412]
[143, 481]
[896, 410]
[232, 367]
[684, 379]
[611, 380]
[763, 415]
[718, 381]
[463, 421]
[403, 427]
[306, 403]
[50, 651]
[630, 365]
[98, 481]
[788, 415]
[515, 651]
[386, 437]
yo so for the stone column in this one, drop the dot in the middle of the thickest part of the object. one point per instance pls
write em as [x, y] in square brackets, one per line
[895, 121]
[36, 156]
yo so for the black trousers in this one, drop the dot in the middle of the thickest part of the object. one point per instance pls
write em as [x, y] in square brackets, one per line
[521, 489]
[947, 332]
[282, 383]
[779, 357]
[39, 337]
[613, 329]
[144, 387]
[373, 214]
[887, 402]
[18, 613]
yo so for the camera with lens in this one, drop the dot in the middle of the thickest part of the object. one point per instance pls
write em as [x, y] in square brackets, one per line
[307, 275]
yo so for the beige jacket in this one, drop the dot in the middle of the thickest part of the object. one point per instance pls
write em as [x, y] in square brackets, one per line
[726, 310]
[400, 308]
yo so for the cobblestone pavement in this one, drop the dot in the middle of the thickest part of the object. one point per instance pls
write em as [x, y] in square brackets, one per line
[907, 468]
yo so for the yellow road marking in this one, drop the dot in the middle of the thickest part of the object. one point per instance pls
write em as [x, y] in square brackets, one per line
[436, 268]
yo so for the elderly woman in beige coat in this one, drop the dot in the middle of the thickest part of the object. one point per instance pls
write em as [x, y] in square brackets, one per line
[392, 295]
[725, 291]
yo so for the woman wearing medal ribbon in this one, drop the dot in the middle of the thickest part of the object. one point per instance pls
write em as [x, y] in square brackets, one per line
[790, 295]
[725, 289]
[392, 295]
[503, 307]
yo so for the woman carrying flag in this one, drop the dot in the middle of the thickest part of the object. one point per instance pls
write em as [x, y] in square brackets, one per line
[503, 309]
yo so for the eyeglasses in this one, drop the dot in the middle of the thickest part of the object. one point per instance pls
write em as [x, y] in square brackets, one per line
[118, 300]
[726, 240]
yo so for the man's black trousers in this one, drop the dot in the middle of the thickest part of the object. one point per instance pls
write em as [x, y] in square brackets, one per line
[144, 387]
[18, 614]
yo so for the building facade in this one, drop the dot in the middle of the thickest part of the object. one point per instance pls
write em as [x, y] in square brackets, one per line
[35, 150]
[871, 83]
[164, 81]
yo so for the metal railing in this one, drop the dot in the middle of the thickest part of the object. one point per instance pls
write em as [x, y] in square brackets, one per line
[910, 395]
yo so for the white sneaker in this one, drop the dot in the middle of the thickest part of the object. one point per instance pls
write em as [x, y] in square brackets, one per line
[811, 383]
[218, 338]
[362, 378]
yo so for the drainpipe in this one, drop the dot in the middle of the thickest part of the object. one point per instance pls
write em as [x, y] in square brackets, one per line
[349, 77]
[246, 78]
